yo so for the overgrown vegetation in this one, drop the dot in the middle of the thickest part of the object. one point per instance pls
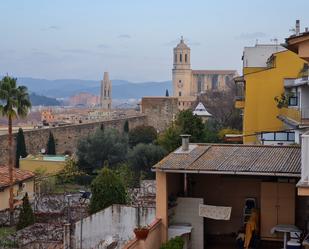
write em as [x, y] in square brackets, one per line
[175, 243]
[6, 241]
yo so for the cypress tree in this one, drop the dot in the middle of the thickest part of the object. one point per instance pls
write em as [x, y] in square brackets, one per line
[20, 147]
[166, 93]
[126, 126]
[26, 216]
[51, 147]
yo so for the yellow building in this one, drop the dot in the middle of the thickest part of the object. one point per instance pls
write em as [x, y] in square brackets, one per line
[47, 164]
[263, 77]
[23, 183]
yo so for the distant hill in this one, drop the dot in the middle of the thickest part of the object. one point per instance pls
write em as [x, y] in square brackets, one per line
[43, 100]
[122, 89]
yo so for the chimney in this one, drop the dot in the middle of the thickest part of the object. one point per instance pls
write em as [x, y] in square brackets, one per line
[306, 29]
[185, 142]
[297, 27]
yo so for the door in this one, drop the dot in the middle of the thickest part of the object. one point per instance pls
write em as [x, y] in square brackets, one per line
[268, 208]
[277, 206]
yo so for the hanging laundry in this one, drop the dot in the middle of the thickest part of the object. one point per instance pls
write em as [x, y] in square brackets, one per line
[215, 212]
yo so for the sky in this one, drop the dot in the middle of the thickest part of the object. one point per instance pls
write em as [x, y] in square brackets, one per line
[134, 39]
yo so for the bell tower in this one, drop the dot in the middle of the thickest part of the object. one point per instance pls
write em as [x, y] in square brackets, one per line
[106, 92]
[182, 74]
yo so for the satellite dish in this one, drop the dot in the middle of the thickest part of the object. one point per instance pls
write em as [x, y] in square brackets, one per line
[43, 151]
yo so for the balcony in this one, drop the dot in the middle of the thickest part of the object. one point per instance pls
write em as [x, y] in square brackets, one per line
[294, 115]
[240, 92]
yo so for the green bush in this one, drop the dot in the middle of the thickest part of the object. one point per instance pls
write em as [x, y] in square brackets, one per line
[175, 243]
[26, 216]
[142, 134]
[107, 189]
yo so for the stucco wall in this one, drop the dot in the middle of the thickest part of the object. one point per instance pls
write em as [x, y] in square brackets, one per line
[112, 221]
[161, 111]
[66, 137]
[47, 166]
[5, 194]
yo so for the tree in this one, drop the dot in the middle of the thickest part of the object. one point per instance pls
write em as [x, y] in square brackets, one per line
[191, 124]
[142, 134]
[166, 93]
[14, 103]
[143, 157]
[126, 175]
[108, 145]
[20, 147]
[170, 139]
[106, 189]
[51, 146]
[126, 126]
[221, 105]
[69, 172]
[26, 216]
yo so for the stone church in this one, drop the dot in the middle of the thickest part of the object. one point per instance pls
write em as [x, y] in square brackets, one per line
[188, 84]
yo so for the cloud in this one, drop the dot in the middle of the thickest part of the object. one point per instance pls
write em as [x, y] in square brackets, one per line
[76, 51]
[102, 45]
[124, 36]
[52, 27]
[248, 36]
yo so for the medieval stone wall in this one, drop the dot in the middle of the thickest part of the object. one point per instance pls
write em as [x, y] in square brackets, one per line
[66, 137]
[161, 111]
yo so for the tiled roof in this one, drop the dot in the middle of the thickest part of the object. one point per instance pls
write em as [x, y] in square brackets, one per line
[214, 72]
[18, 176]
[232, 159]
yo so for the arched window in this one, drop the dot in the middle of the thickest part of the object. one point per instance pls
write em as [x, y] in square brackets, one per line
[200, 82]
[179, 94]
[175, 58]
[186, 58]
[214, 82]
[180, 57]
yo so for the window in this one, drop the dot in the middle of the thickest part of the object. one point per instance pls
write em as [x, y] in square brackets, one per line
[175, 58]
[179, 94]
[200, 82]
[214, 82]
[278, 136]
[186, 58]
[180, 57]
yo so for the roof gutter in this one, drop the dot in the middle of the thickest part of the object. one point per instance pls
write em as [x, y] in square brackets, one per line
[214, 172]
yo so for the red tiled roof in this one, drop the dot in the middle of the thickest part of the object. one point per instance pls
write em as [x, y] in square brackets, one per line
[18, 176]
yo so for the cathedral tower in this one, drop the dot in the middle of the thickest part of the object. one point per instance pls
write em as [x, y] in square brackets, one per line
[182, 75]
[106, 92]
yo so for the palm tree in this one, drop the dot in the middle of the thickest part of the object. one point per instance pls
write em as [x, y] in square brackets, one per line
[14, 103]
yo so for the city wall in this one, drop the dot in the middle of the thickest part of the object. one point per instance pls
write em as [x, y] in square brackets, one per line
[66, 137]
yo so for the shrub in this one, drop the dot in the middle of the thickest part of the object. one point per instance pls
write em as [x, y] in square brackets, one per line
[26, 216]
[175, 243]
[107, 189]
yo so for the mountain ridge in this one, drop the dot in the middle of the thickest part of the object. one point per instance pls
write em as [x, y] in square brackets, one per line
[121, 89]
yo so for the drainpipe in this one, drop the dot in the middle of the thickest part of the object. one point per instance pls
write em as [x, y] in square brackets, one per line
[185, 184]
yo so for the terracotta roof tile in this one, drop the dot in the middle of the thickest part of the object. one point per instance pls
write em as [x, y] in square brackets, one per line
[18, 175]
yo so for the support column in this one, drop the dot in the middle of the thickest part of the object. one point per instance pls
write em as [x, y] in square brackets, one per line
[162, 203]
